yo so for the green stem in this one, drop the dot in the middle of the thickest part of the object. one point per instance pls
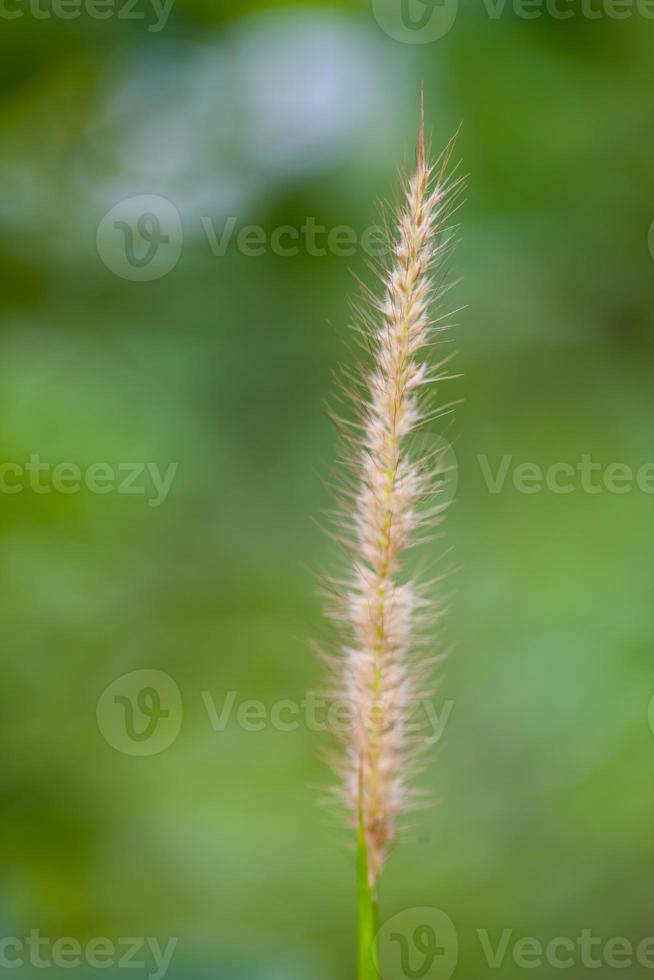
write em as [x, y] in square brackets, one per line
[368, 914]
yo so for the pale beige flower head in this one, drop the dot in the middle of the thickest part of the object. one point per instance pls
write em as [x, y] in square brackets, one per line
[388, 493]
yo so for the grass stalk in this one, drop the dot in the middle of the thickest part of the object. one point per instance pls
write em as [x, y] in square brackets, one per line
[387, 494]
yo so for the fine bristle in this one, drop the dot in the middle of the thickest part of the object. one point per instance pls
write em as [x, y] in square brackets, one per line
[421, 132]
[387, 495]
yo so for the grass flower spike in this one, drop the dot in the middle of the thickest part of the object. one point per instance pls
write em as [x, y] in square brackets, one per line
[388, 493]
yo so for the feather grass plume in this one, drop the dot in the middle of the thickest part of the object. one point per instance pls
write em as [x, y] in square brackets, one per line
[388, 494]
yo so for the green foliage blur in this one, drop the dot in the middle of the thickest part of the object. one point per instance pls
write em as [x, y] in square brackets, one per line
[270, 114]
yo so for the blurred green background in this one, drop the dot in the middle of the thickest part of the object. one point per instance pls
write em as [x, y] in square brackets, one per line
[270, 113]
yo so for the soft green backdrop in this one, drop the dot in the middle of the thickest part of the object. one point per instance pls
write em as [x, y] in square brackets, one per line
[272, 113]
